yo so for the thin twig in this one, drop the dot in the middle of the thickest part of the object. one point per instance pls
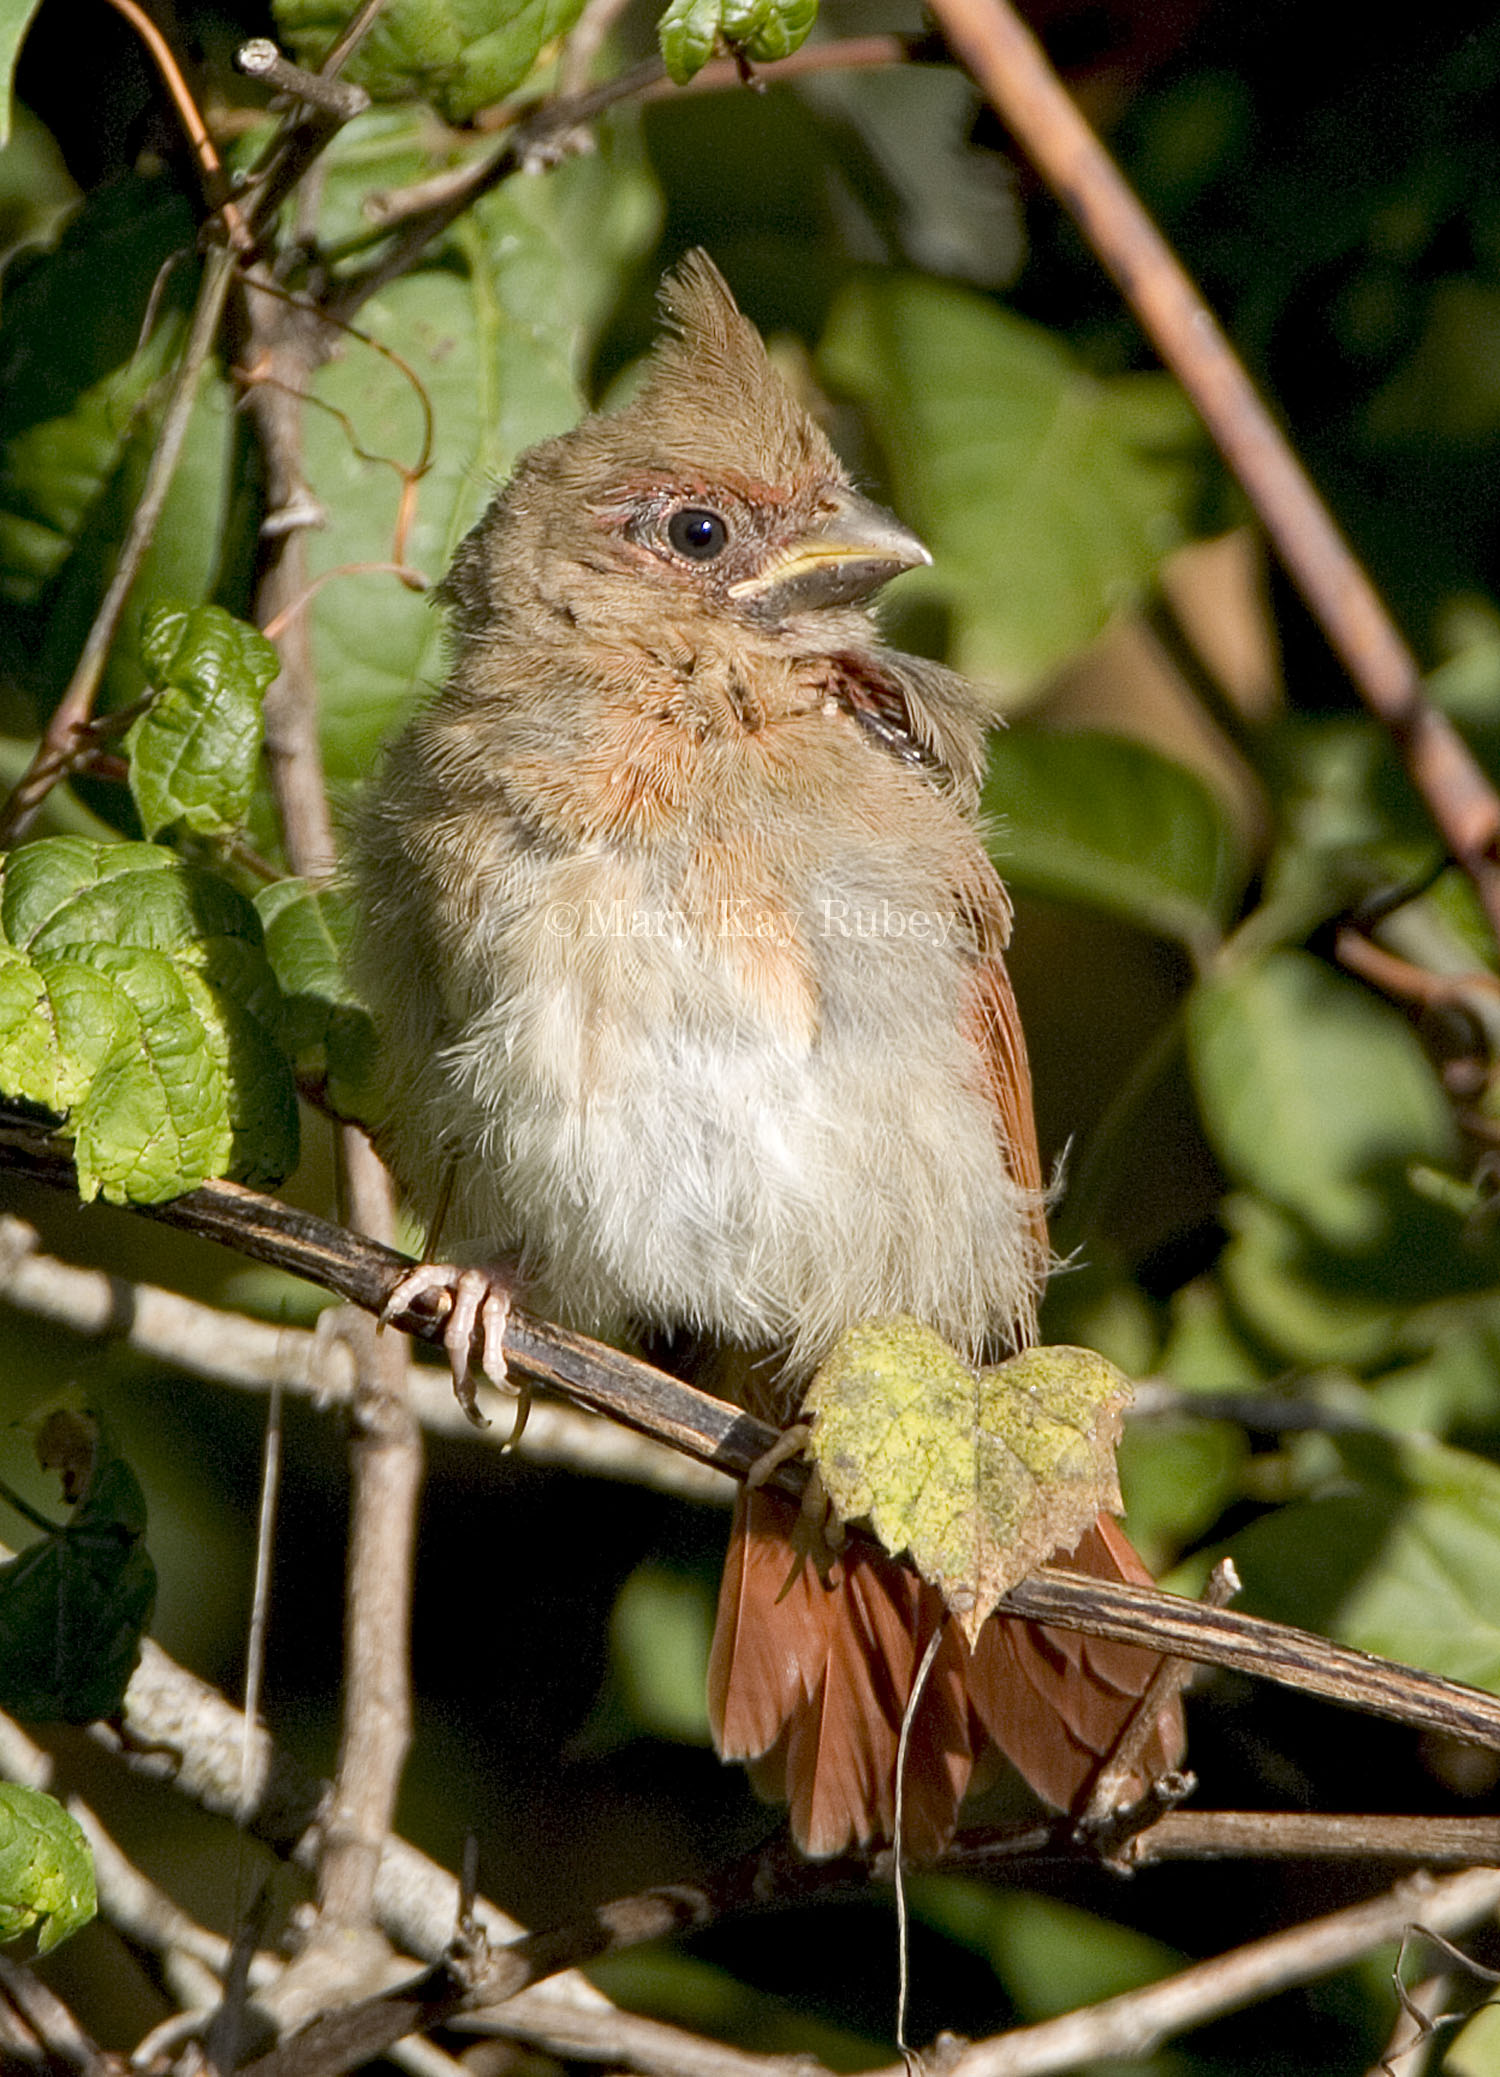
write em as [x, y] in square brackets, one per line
[66, 729]
[1415, 2032]
[1011, 67]
[192, 122]
[522, 144]
[1123, 1766]
[260, 59]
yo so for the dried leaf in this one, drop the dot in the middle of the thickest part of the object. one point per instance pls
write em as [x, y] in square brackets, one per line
[981, 1478]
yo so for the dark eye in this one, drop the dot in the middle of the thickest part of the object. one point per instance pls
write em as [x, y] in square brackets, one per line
[697, 534]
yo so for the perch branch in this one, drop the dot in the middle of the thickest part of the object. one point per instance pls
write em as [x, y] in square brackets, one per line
[1011, 67]
[604, 1380]
[227, 1348]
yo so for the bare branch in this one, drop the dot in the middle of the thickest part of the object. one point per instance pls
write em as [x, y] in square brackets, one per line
[716, 1433]
[1137, 2023]
[1011, 67]
[252, 1356]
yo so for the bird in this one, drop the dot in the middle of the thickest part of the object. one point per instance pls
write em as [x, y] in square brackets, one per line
[687, 958]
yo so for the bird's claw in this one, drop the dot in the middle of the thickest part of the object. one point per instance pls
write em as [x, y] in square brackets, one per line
[478, 1303]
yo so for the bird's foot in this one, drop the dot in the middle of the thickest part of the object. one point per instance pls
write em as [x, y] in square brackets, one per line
[474, 1305]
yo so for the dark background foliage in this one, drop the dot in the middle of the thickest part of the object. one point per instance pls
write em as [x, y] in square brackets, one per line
[1271, 1188]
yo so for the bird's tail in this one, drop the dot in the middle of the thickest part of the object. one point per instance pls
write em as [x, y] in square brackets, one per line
[809, 1680]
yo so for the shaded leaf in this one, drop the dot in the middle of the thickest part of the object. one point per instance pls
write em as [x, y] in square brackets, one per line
[458, 54]
[195, 751]
[1101, 820]
[980, 1478]
[1049, 1955]
[74, 1606]
[1315, 1093]
[659, 1636]
[328, 1031]
[1047, 496]
[137, 999]
[497, 336]
[1398, 1555]
[46, 1868]
[37, 192]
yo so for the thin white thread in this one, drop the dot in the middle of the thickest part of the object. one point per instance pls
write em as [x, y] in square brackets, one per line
[903, 1970]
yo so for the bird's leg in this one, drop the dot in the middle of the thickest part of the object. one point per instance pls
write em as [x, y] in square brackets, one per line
[474, 1305]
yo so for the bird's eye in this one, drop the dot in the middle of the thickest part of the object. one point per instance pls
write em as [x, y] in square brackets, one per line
[697, 534]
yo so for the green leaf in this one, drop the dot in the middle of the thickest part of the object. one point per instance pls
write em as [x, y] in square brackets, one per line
[459, 54]
[1050, 1956]
[1047, 496]
[37, 192]
[195, 752]
[46, 1868]
[659, 1638]
[497, 336]
[74, 374]
[785, 26]
[1107, 822]
[981, 1478]
[328, 1031]
[136, 997]
[1316, 1094]
[687, 32]
[15, 20]
[74, 1606]
[1398, 1556]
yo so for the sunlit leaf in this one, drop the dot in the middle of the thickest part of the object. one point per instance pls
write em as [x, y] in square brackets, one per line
[37, 192]
[135, 996]
[981, 1478]
[687, 32]
[15, 20]
[46, 1868]
[458, 54]
[659, 1638]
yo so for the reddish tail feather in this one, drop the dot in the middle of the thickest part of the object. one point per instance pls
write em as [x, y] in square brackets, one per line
[809, 1682]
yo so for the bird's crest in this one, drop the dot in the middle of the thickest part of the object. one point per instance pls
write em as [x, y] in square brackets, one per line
[712, 398]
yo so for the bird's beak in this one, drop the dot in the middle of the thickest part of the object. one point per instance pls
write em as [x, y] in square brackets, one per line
[851, 552]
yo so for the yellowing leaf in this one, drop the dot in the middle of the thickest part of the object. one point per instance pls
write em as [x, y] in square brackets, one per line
[981, 1478]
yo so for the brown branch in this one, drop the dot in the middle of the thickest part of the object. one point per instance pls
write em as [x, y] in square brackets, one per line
[385, 1465]
[1009, 64]
[364, 1273]
[66, 732]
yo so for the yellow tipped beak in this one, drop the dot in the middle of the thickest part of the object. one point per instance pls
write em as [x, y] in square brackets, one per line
[852, 551]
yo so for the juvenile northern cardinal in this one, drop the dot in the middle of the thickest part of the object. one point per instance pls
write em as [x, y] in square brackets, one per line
[688, 961]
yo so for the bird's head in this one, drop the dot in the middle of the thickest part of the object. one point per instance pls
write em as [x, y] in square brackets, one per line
[713, 493]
